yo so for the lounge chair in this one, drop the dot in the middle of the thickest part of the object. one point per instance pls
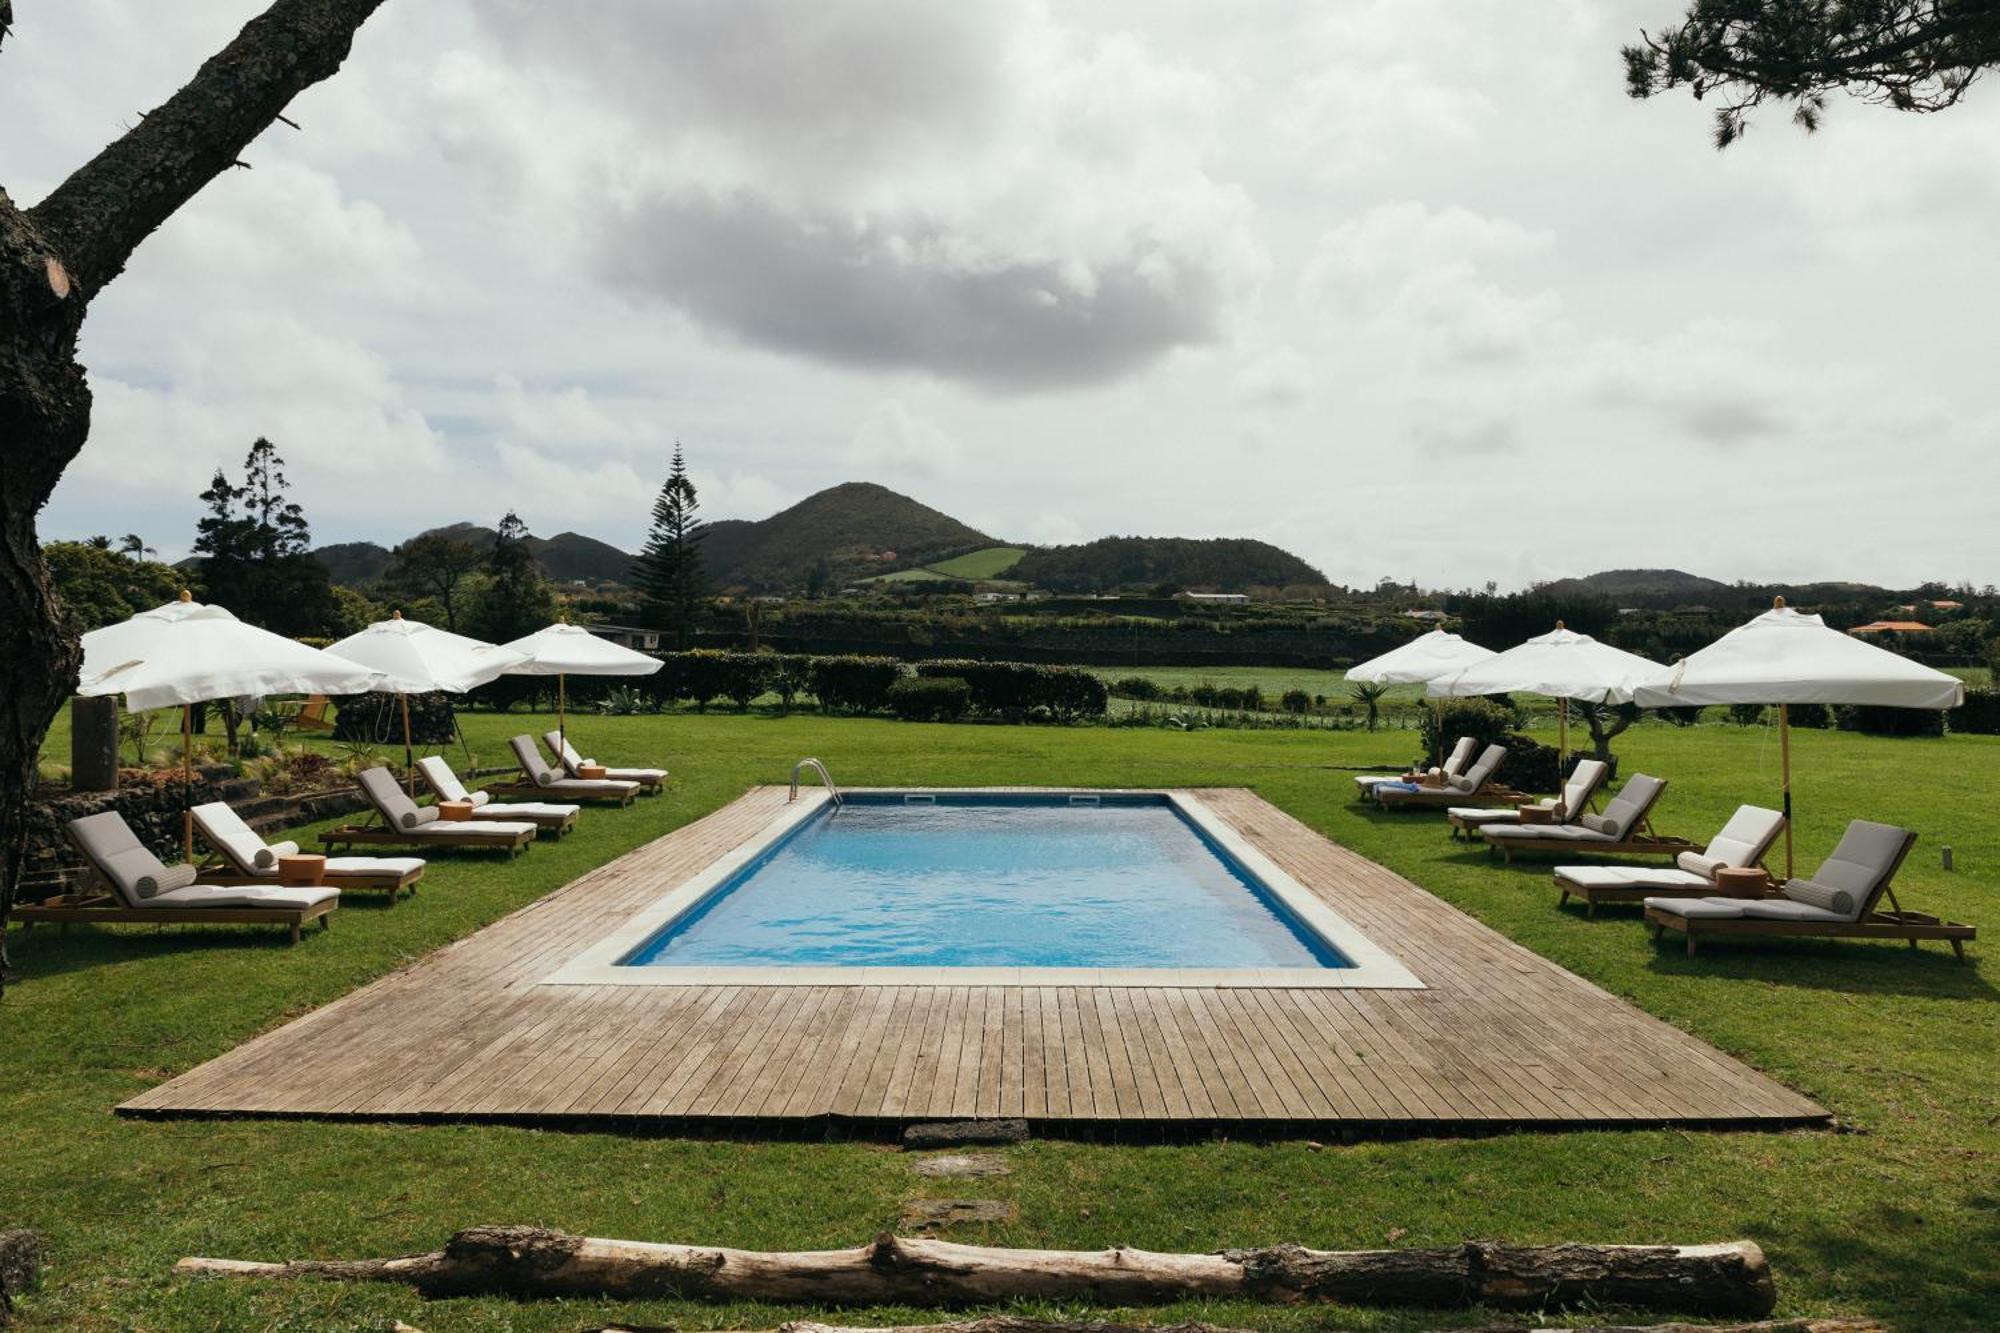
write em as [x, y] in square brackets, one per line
[143, 888]
[1476, 786]
[245, 858]
[651, 779]
[538, 780]
[1624, 829]
[549, 816]
[1839, 901]
[1577, 794]
[1741, 845]
[407, 824]
[312, 715]
[1453, 765]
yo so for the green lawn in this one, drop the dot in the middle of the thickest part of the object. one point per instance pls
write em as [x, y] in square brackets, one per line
[1898, 1216]
[990, 563]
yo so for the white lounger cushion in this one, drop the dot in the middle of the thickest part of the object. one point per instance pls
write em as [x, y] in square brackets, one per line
[1479, 815]
[559, 745]
[1665, 878]
[445, 784]
[448, 830]
[1547, 833]
[1696, 908]
[245, 895]
[1786, 909]
[518, 810]
[371, 865]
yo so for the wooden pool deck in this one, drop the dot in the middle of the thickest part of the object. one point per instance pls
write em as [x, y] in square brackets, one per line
[1498, 1037]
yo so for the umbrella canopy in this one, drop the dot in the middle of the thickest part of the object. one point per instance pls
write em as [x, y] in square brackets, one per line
[415, 658]
[1788, 657]
[1420, 661]
[1561, 664]
[188, 653]
[571, 650]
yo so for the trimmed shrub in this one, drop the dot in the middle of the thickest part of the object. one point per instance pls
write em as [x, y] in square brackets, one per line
[1870, 720]
[1746, 715]
[1818, 717]
[854, 684]
[1295, 701]
[1017, 690]
[1979, 715]
[1487, 722]
[1142, 688]
[1684, 716]
[1530, 765]
[930, 698]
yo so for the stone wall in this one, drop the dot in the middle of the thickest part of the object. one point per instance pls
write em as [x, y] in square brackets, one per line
[378, 719]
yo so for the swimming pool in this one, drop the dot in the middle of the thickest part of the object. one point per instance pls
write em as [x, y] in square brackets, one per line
[988, 887]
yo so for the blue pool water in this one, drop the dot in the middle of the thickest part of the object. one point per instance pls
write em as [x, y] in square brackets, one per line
[991, 881]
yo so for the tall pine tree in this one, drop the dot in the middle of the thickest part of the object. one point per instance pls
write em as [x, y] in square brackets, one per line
[669, 570]
[517, 600]
[256, 554]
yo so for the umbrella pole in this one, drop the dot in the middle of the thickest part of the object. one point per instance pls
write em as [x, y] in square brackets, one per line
[562, 721]
[1562, 736]
[409, 750]
[1785, 762]
[187, 774]
[1437, 735]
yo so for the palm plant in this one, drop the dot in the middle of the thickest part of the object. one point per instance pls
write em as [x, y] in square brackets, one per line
[1370, 698]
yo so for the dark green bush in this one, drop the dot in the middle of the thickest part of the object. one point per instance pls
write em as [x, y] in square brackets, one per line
[1873, 721]
[930, 698]
[1746, 715]
[1486, 721]
[1683, 716]
[1020, 690]
[1979, 715]
[854, 684]
[1142, 688]
[1295, 701]
[1818, 717]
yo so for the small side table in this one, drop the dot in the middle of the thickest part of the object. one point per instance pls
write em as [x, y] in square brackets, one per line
[591, 772]
[1535, 812]
[304, 871]
[1743, 882]
[454, 811]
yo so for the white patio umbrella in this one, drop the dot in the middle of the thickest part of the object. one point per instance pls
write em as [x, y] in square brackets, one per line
[563, 650]
[1562, 664]
[1419, 662]
[415, 658]
[187, 653]
[1787, 657]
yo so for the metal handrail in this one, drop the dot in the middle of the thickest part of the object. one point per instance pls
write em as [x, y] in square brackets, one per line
[824, 776]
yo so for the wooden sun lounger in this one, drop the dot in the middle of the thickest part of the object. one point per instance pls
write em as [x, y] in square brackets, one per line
[1869, 923]
[1740, 844]
[1630, 811]
[391, 804]
[226, 866]
[99, 908]
[539, 781]
[1578, 795]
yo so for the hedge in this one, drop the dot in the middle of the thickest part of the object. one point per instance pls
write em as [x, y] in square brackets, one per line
[1019, 690]
[1979, 715]
[930, 698]
[1871, 720]
[853, 684]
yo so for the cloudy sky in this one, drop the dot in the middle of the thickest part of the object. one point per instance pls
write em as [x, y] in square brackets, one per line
[1408, 287]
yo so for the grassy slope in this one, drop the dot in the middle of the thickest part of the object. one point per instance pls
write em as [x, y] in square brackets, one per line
[990, 563]
[1899, 1219]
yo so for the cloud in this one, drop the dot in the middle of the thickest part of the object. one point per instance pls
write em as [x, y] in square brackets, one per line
[1275, 381]
[971, 191]
[895, 442]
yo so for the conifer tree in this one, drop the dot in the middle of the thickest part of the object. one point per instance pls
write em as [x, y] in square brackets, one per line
[669, 570]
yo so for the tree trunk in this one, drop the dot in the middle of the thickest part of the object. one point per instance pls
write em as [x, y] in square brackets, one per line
[1729, 1279]
[54, 259]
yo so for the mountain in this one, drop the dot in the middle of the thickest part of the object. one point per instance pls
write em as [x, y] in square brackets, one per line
[567, 557]
[858, 528]
[354, 563]
[1223, 564]
[1639, 583]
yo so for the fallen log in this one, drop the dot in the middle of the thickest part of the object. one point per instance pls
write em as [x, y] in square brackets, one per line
[1725, 1279]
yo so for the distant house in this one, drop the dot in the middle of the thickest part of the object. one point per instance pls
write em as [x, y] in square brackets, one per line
[996, 597]
[1891, 627]
[629, 636]
[1216, 598]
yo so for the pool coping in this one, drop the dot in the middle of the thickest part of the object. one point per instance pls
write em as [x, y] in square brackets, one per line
[1374, 968]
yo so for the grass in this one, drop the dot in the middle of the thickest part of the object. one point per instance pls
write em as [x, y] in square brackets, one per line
[990, 563]
[1898, 1218]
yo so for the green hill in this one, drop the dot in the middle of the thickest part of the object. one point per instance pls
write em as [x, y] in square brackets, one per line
[567, 557]
[858, 528]
[990, 563]
[1111, 564]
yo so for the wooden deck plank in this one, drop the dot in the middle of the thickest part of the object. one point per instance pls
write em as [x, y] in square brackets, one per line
[1499, 1034]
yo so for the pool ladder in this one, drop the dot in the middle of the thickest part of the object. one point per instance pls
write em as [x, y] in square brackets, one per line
[824, 776]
